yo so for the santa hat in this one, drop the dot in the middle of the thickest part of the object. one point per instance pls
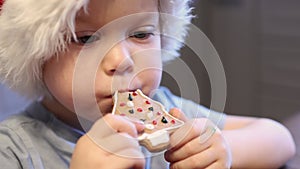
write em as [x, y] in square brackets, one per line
[33, 31]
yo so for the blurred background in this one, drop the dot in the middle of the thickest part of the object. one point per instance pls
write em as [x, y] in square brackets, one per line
[258, 42]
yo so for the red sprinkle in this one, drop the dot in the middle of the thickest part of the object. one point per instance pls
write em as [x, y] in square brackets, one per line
[134, 94]
[154, 122]
[147, 102]
[122, 114]
[140, 110]
[173, 121]
[122, 104]
[158, 113]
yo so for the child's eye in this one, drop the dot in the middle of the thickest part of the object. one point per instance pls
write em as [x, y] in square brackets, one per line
[141, 35]
[86, 39]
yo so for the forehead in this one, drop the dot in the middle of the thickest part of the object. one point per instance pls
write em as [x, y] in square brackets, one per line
[101, 12]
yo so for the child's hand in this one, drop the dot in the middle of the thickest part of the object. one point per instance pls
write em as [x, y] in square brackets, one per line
[110, 143]
[198, 144]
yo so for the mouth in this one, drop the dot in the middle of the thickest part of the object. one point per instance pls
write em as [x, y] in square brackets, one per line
[109, 96]
[126, 90]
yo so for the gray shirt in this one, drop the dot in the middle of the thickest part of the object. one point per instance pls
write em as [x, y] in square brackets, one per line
[36, 139]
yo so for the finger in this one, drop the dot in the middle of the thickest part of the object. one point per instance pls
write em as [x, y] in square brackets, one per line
[214, 148]
[197, 145]
[127, 125]
[111, 124]
[218, 165]
[117, 142]
[177, 113]
[128, 158]
[200, 160]
[189, 131]
[189, 149]
[140, 126]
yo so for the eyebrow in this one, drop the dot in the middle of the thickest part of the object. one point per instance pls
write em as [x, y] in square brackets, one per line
[83, 19]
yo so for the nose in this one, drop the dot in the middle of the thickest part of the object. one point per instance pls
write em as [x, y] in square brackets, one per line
[118, 59]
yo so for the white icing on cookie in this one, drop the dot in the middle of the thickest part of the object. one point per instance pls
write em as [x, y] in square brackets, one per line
[150, 115]
[130, 104]
[149, 126]
[158, 137]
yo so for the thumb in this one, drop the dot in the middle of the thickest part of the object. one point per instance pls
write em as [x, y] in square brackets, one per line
[177, 113]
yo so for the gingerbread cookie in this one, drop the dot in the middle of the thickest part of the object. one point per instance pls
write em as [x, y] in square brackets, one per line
[158, 122]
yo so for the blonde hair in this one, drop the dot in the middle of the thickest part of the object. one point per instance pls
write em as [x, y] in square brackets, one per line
[33, 31]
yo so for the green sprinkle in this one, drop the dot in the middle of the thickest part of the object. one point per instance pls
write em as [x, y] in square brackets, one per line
[131, 111]
[130, 97]
[164, 120]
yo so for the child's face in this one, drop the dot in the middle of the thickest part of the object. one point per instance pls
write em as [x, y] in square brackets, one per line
[123, 55]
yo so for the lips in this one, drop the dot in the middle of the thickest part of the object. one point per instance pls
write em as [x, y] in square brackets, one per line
[108, 96]
[120, 91]
[126, 90]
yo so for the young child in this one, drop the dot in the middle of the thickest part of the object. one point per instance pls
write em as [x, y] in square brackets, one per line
[72, 55]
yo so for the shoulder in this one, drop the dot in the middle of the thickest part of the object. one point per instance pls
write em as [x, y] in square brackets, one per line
[28, 122]
[34, 139]
[14, 130]
[18, 125]
[14, 123]
[25, 128]
[14, 150]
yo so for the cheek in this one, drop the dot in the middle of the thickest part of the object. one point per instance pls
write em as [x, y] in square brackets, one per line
[151, 79]
[149, 68]
[155, 77]
[58, 80]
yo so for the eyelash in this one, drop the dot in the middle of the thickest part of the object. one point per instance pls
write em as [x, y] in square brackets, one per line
[141, 35]
[88, 39]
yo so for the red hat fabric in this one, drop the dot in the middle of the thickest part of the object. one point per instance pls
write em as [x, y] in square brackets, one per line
[1, 3]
